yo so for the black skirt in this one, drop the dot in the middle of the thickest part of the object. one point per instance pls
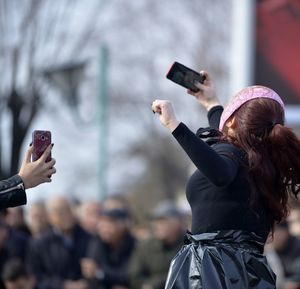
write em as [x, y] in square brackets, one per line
[221, 260]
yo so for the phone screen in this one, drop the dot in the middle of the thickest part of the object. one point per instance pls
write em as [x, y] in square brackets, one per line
[184, 76]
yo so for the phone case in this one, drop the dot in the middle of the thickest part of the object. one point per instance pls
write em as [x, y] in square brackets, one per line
[184, 76]
[41, 139]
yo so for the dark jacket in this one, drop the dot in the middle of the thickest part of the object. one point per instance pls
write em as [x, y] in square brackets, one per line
[54, 259]
[14, 247]
[150, 263]
[12, 192]
[290, 259]
[113, 262]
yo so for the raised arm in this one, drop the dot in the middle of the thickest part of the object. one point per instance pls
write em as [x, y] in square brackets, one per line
[214, 116]
[219, 166]
[31, 174]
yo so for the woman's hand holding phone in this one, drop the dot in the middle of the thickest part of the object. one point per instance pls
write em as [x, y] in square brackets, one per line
[34, 173]
[206, 95]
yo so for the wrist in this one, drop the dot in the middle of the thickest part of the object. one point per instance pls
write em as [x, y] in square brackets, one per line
[211, 105]
[22, 180]
[172, 125]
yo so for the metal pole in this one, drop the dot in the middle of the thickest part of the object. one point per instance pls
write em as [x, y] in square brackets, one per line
[243, 43]
[103, 122]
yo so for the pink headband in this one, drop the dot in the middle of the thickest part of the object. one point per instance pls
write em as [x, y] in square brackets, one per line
[245, 95]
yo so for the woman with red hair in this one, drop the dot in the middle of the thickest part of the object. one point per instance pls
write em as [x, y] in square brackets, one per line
[240, 189]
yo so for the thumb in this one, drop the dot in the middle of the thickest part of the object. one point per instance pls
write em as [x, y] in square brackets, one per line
[27, 158]
[207, 80]
[200, 85]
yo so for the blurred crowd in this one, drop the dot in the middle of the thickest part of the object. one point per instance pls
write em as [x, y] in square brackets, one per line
[283, 251]
[65, 245]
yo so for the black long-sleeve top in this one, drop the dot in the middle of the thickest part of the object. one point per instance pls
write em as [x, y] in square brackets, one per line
[12, 192]
[219, 190]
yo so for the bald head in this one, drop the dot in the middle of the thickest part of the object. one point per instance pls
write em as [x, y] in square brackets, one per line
[89, 215]
[60, 212]
[37, 218]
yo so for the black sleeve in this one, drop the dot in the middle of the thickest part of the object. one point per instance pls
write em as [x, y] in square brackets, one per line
[12, 192]
[214, 116]
[217, 166]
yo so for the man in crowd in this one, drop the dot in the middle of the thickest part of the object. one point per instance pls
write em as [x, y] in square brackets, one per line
[109, 252]
[13, 244]
[37, 219]
[294, 220]
[54, 258]
[88, 216]
[16, 220]
[283, 254]
[151, 260]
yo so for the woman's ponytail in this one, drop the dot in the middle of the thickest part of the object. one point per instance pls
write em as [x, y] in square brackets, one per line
[273, 153]
[285, 154]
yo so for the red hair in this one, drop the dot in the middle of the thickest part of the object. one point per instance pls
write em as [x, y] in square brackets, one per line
[273, 153]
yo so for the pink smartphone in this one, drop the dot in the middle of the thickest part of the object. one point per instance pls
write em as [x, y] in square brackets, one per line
[41, 139]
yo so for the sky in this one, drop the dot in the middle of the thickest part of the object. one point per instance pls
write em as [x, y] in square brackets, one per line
[143, 39]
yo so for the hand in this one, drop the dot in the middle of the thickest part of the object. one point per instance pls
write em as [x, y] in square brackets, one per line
[80, 284]
[206, 96]
[88, 268]
[166, 113]
[37, 172]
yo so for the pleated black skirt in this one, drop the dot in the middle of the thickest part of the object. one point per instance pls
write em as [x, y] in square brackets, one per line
[221, 260]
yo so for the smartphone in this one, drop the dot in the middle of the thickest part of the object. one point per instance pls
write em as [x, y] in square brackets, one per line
[184, 76]
[41, 139]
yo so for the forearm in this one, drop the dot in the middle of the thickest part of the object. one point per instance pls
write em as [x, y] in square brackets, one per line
[12, 192]
[214, 116]
[215, 167]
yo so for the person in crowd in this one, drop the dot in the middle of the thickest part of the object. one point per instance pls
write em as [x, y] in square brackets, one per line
[240, 189]
[16, 220]
[13, 244]
[15, 275]
[88, 216]
[37, 219]
[54, 257]
[151, 260]
[31, 174]
[109, 252]
[283, 254]
[116, 202]
[293, 220]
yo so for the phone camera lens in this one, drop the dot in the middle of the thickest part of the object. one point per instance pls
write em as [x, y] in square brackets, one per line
[43, 138]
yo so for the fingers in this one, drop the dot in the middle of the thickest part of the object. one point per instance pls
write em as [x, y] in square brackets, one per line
[208, 79]
[46, 153]
[47, 180]
[52, 171]
[27, 158]
[200, 86]
[156, 106]
[50, 164]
